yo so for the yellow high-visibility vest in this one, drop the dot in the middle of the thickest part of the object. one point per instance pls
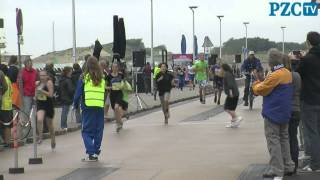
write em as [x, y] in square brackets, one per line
[94, 95]
[156, 72]
[7, 97]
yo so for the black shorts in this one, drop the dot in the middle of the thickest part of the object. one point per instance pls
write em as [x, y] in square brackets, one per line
[231, 103]
[6, 117]
[116, 97]
[46, 106]
[218, 82]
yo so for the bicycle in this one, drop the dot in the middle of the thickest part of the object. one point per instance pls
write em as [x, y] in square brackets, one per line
[23, 124]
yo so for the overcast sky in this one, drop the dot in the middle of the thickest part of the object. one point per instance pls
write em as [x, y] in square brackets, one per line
[172, 18]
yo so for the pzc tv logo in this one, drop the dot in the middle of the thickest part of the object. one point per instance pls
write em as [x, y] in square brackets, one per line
[294, 8]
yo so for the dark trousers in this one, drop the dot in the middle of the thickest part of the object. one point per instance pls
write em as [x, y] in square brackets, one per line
[246, 89]
[310, 116]
[92, 129]
[293, 137]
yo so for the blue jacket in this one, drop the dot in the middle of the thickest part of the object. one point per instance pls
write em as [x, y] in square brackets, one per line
[277, 92]
[249, 65]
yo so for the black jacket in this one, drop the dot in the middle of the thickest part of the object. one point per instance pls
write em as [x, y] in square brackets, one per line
[309, 70]
[66, 90]
[75, 77]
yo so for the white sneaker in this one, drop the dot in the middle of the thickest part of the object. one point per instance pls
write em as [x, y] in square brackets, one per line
[238, 121]
[307, 168]
[277, 178]
[231, 125]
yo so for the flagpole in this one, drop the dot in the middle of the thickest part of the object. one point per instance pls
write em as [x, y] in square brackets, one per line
[74, 55]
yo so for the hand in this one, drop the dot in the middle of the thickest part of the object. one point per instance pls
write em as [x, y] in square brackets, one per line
[160, 78]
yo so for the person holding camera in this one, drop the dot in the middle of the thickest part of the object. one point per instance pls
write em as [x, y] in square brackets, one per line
[310, 95]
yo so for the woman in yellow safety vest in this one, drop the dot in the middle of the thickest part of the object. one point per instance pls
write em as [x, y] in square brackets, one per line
[90, 91]
[6, 114]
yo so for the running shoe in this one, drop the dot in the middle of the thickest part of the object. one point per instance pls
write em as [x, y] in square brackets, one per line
[238, 121]
[90, 158]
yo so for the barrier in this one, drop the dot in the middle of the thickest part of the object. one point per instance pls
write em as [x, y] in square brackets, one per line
[35, 159]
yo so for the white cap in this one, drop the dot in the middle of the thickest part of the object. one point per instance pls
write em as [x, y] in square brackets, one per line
[251, 52]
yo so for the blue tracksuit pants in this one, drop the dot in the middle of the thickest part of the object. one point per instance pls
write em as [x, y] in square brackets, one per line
[92, 129]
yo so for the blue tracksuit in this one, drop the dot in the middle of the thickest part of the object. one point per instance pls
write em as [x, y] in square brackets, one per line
[92, 122]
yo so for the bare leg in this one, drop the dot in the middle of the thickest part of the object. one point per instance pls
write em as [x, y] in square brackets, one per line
[7, 135]
[40, 119]
[232, 114]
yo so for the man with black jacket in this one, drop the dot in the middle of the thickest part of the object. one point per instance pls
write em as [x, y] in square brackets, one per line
[310, 106]
[76, 73]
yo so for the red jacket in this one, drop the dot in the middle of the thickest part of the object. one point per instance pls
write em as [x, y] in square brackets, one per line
[29, 78]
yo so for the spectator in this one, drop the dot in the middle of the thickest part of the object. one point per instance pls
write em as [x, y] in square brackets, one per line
[76, 73]
[6, 114]
[310, 94]
[277, 94]
[147, 77]
[85, 61]
[252, 64]
[90, 93]
[45, 108]
[295, 115]
[28, 80]
[66, 95]
[13, 73]
[232, 92]
[49, 68]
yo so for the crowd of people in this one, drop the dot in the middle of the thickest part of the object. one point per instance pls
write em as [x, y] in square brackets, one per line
[290, 91]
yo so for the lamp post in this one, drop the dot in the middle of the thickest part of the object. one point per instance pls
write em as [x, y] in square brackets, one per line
[152, 59]
[283, 28]
[74, 55]
[193, 32]
[220, 18]
[246, 26]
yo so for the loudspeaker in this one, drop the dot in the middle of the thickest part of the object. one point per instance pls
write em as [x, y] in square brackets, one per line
[237, 58]
[139, 58]
[1, 23]
[213, 59]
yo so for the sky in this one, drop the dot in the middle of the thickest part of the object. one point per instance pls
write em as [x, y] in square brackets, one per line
[172, 18]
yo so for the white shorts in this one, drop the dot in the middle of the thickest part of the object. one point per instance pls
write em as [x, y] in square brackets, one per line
[202, 83]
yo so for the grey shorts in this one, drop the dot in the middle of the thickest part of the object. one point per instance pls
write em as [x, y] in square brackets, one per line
[165, 97]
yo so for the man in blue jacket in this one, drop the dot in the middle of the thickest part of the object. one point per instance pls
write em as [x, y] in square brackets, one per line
[252, 64]
[277, 92]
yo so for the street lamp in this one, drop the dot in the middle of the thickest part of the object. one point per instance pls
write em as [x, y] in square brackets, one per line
[245, 52]
[220, 17]
[193, 32]
[282, 28]
[74, 55]
[152, 60]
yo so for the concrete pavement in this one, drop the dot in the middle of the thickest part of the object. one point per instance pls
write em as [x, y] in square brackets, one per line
[146, 149]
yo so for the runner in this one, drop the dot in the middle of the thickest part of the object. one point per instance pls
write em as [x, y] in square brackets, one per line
[232, 92]
[191, 76]
[165, 82]
[217, 81]
[119, 106]
[45, 108]
[201, 69]
[90, 90]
